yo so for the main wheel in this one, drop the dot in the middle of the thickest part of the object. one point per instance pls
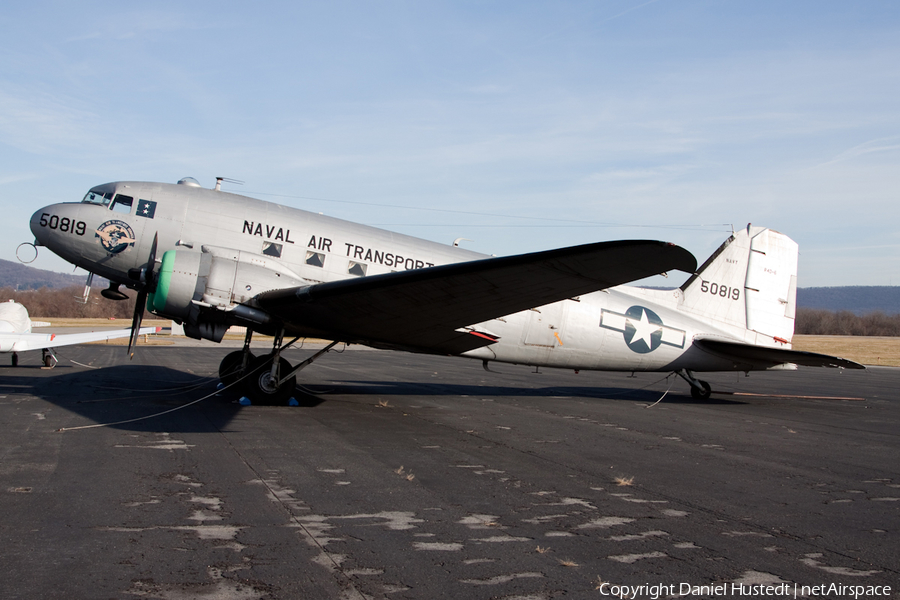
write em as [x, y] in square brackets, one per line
[48, 360]
[701, 393]
[260, 386]
[230, 367]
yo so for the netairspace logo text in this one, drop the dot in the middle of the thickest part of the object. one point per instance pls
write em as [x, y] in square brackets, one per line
[791, 590]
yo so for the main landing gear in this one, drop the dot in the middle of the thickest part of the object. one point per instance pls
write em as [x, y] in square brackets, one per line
[700, 390]
[48, 358]
[267, 379]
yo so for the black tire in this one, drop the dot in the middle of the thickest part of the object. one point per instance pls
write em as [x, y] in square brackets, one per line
[230, 367]
[15, 360]
[701, 393]
[258, 388]
[48, 361]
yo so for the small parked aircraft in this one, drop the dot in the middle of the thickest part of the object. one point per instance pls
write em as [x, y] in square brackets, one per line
[16, 335]
[227, 259]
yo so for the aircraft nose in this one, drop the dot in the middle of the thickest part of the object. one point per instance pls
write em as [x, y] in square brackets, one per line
[56, 223]
[36, 227]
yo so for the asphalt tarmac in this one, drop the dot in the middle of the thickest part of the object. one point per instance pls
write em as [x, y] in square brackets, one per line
[406, 476]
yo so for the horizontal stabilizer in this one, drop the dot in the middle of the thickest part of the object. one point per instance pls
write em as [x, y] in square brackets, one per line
[740, 351]
[423, 308]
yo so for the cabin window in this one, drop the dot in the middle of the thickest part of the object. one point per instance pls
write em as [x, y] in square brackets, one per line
[122, 203]
[358, 269]
[98, 198]
[272, 249]
[315, 259]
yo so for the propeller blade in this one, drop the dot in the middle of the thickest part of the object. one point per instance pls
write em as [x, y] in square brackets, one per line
[136, 321]
[151, 260]
[147, 285]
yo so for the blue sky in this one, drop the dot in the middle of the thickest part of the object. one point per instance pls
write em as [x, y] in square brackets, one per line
[520, 125]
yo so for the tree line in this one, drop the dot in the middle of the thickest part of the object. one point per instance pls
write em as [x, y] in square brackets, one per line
[817, 321]
[67, 303]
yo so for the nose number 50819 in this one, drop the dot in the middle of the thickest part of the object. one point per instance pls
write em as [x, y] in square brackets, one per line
[65, 224]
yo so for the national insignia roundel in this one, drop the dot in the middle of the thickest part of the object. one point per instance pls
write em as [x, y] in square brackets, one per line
[643, 329]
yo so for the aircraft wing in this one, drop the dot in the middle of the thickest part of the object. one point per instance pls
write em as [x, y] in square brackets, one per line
[775, 356]
[35, 341]
[426, 309]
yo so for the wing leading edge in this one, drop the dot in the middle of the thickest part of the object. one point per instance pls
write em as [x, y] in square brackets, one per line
[774, 356]
[424, 309]
[24, 342]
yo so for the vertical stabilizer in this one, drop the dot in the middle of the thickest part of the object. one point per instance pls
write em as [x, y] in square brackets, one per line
[716, 291]
[749, 282]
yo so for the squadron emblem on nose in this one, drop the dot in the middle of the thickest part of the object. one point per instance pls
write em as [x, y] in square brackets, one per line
[115, 236]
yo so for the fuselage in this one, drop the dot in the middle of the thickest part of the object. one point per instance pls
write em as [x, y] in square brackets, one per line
[111, 231]
[315, 247]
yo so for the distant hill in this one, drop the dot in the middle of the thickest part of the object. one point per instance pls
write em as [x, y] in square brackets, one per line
[859, 300]
[22, 277]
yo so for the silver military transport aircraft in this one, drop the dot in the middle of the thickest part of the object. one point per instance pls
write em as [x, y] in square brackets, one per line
[209, 259]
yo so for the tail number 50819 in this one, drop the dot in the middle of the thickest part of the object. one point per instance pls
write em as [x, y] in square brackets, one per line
[722, 291]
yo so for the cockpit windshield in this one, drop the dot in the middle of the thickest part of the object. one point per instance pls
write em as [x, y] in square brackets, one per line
[93, 197]
[111, 200]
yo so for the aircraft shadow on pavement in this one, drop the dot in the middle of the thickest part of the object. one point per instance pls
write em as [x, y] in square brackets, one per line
[415, 388]
[139, 393]
[122, 393]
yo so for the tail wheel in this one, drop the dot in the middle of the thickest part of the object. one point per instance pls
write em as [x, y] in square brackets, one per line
[230, 369]
[261, 387]
[702, 392]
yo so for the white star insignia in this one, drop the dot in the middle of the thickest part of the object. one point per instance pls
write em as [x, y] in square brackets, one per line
[644, 329]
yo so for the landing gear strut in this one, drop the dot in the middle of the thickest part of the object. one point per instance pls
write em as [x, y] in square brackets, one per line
[700, 390]
[235, 364]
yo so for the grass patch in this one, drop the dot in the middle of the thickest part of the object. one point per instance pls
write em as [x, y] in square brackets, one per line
[151, 340]
[121, 323]
[868, 350]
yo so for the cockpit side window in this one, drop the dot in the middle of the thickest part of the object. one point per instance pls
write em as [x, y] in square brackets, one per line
[98, 198]
[122, 203]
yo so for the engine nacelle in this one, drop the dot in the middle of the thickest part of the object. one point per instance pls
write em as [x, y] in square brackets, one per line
[206, 290]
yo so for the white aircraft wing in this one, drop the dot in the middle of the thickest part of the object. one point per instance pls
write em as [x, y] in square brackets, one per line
[743, 352]
[425, 308]
[23, 342]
